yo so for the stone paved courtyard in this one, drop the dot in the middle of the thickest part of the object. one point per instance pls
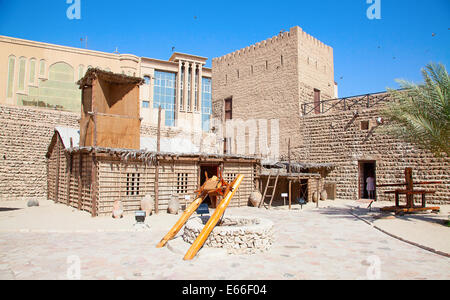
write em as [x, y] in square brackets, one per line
[326, 243]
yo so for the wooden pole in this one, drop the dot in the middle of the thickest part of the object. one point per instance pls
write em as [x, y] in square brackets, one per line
[318, 193]
[289, 158]
[290, 194]
[94, 186]
[58, 162]
[409, 187]
[158, 149]
[80, 181]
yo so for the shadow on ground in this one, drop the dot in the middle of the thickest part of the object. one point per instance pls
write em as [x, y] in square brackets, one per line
[3, 209]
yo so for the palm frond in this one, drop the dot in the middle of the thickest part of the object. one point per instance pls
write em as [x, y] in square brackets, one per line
[420, 113]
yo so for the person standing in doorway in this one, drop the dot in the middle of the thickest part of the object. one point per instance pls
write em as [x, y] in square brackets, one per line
[371, 186]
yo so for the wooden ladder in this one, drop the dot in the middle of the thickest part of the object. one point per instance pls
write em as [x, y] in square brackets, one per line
[268, 186]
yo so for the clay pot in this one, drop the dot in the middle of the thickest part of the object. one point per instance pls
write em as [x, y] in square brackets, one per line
[314, 197]
[174, 205]
[324, 195]
[117, 210]
[255, 198]
[147, 204]
[32, 203]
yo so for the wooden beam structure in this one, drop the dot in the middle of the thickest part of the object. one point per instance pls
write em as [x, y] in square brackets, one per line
[409, 192]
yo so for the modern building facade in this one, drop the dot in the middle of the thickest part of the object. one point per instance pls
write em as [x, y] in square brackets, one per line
[45, 75]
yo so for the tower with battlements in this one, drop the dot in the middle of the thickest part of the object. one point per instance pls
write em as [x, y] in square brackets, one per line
[271, 80]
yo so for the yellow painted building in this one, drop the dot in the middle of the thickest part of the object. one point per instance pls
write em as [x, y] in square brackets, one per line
[45, 75]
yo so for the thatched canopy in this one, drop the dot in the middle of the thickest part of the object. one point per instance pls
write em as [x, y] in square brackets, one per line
[150, 157]
[107, 76]
[298, 167]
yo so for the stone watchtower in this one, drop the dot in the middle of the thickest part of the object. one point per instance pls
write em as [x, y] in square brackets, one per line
[271, 80]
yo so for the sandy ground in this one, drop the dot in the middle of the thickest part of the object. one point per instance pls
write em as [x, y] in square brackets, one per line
[425, 229]
[339, 240]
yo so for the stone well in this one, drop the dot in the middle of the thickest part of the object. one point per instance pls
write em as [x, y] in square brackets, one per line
[239, 235]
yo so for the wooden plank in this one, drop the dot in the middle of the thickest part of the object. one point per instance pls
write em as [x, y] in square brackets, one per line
[158, 149]
[274, 189]
[58, 162]
[409, 186]
[265, 192]
[290, 194]
[405, 209]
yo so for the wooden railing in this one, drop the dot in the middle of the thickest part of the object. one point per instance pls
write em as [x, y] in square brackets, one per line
[344, 104]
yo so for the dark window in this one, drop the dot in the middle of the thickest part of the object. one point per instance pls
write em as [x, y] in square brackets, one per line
[182, 183]
[228, 109]
[364, 125]
[228, 116]
[227, 145]
[133, 184]
[317, 101]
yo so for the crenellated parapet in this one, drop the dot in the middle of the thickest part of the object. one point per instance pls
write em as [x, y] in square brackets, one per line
[295, 34]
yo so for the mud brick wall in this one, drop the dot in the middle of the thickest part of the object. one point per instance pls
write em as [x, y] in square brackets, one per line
[336, 137]
[24, 138]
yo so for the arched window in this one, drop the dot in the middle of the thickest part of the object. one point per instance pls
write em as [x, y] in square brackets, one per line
[60, 90]
[32, 71]
[22, 67]
[42, 68]
[10, 85]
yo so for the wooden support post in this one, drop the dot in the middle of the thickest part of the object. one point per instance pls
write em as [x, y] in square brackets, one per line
[94, 186]
[424, 203]
[68, 171]
[409, 187]
[158, 149]
[290, 194]
[318, 192]
[289, 156]
[80, 181]
[58, 162]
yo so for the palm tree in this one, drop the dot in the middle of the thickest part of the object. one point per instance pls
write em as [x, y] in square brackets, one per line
[420, 113]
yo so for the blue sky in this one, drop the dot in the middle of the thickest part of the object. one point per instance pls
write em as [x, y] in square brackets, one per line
[369, 54]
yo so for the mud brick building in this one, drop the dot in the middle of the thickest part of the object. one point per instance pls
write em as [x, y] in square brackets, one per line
[290, 78]
[272, 79]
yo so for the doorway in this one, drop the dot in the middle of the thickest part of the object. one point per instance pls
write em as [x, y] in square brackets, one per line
[212, 170]
[367, 169]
